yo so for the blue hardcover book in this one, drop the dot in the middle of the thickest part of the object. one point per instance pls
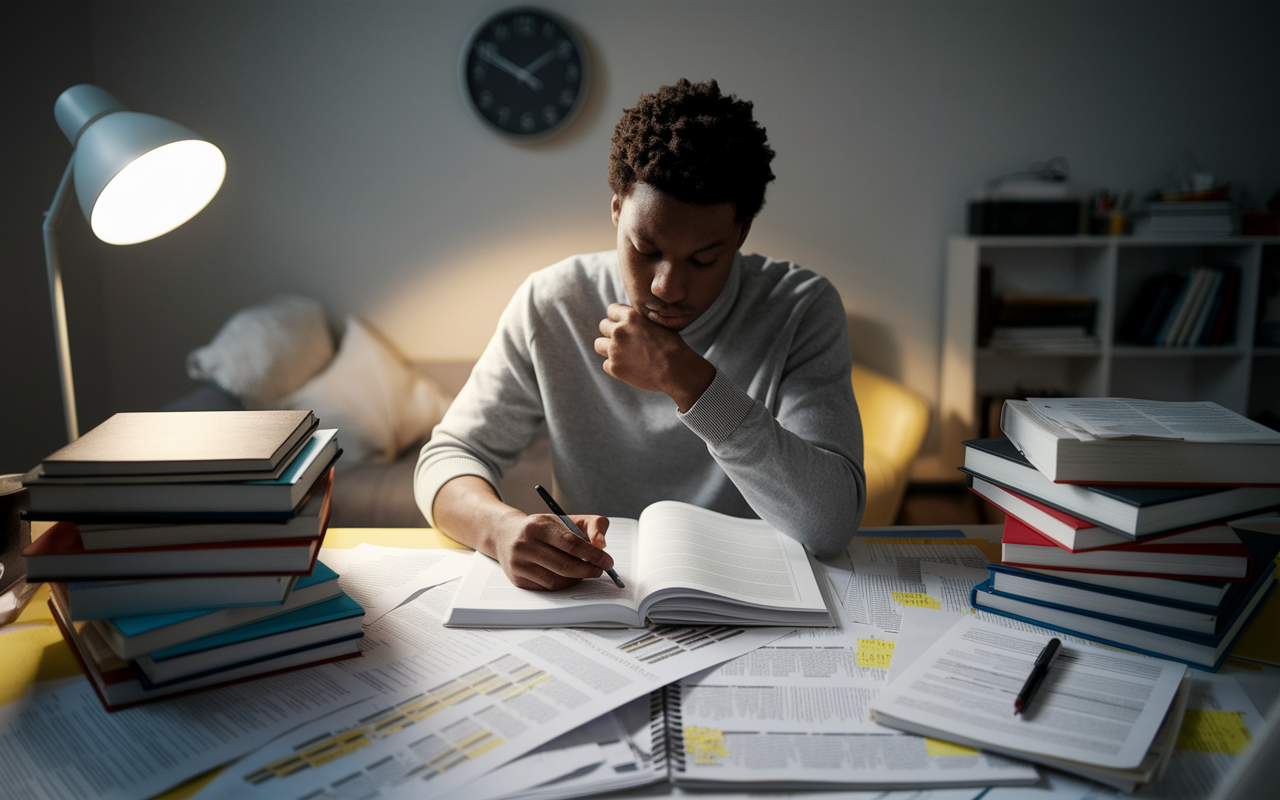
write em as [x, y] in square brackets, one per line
[340, 607]
[1201, 652]
[130, 637]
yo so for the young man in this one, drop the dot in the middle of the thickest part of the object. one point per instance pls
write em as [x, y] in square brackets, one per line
[674, 368]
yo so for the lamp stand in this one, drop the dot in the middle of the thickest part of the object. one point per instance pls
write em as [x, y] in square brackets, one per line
[53, 263]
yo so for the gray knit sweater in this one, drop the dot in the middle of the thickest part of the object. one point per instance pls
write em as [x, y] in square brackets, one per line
[776, 435]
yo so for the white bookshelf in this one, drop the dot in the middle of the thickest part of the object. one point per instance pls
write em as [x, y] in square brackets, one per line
[1237, 375]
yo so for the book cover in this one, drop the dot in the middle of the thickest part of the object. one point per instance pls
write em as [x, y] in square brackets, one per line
[162, 442]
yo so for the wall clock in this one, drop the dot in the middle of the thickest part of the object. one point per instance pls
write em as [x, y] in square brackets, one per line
[524, 73]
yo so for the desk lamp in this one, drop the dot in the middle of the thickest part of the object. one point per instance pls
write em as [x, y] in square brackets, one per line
[137, 176]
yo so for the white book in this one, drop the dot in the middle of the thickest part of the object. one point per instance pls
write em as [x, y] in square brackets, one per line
[1195, 319]
[681, 565]
[1206, 308]
[1188, 306]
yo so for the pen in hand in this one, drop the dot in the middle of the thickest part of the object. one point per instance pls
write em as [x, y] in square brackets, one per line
[559, 512]
[1046, 657]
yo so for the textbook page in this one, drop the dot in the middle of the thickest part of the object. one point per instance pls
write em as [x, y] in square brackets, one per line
[797, 712]
[456, 703]
[366, 571]
[887, 576]
[744, 559]
[965, 685]
[1088, 418]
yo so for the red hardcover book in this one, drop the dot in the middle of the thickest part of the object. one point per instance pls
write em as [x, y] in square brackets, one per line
[1073, 533]
[1214, 554]
[59, 555]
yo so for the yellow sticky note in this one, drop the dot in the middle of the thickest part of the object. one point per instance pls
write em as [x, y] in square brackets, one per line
[875, 653]
[1214, 732]
[33, 653]
[706, 745]
[915, 599]
[937, 747]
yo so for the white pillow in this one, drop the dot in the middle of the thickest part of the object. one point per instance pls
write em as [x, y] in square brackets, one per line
[377, 401]
[265, 352]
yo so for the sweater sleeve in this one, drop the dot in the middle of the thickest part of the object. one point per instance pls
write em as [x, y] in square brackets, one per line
[801, 469]
[495, 415]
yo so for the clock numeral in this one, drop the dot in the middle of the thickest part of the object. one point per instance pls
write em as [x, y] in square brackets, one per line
[566, 97]
[527, 122]
[524, 25]
[564, 48]
[501, 32]
[485, 99]
[571, 72]
[550, 115]
[504, 114]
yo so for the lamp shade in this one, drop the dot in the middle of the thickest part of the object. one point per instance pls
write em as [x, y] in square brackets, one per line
[137, 176]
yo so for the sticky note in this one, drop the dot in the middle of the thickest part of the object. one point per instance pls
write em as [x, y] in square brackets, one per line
[937, 747]
[875, 653]
[706, 745]
[1214, 732]
[915, 599]
[33, 653]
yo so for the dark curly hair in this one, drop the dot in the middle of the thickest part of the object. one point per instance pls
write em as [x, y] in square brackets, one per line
[693, 143]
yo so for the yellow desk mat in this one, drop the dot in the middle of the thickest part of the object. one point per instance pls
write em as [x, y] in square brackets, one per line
[33, 649]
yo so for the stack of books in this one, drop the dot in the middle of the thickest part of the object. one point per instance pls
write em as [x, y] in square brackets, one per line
[1188, 308]
[182, 553]
[1186, 219]
[1043, 322]
[1127, 540]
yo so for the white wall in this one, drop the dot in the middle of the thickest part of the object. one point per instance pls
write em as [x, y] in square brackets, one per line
[357, 175]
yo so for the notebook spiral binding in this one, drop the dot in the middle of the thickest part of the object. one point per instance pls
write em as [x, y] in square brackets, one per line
[672, 737]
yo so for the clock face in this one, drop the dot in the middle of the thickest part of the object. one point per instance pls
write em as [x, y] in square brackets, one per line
[524, 72]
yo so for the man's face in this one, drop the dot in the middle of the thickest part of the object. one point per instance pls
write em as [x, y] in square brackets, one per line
[675, 257]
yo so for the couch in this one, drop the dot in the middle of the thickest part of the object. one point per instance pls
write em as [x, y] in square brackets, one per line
[380, 494]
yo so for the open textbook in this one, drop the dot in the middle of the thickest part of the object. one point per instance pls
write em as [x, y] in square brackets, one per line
[1104, 714]
[681, 565]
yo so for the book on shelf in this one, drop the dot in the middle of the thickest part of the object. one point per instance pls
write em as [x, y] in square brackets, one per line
[1206, 296]
[1213, 553]
[681, 565]
[1185, 219]
[335, 620]
[1135, 511]
[1061, 589]
[1199, 650]
[1045, 310]
[85, 600]
[119, 686]
[310, 522]
[174, 442]
[58, 555]
[133, 636]
[1095, 440]
[962, 690]
[130, 502]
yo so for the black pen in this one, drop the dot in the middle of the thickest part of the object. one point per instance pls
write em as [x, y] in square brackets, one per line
[568, 523]
[1046, 657]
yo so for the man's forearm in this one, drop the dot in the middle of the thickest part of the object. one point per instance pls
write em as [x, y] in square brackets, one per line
[468, 510]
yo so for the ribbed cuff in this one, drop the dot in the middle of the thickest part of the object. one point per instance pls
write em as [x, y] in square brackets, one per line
[720, 410]
[433, 478]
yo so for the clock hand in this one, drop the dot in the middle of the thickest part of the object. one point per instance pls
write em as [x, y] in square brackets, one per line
[541, 61]
[490, 53]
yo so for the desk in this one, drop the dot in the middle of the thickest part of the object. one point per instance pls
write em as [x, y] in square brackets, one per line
[32, 650]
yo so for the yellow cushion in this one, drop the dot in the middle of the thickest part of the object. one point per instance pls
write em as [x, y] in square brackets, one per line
[894, 422]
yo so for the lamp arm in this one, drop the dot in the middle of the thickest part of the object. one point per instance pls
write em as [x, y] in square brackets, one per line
[53, 263]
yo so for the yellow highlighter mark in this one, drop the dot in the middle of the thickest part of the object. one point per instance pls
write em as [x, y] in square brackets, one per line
[706, 745]
[875, 653]
[937, 747]
[917, 599]
[1214, 732]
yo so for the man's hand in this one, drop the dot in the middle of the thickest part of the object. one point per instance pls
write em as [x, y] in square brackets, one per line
[648, 356]
[539, 552]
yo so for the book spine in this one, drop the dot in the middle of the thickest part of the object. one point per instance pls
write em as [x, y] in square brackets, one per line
[1212, 312]
[1225, 326]
[1192, 336]
[674, 738]
[1186, 308]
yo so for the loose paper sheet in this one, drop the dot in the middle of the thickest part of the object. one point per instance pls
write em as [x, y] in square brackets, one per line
[966, 682]
[1089, 418]
[885, 568]
[454, 704]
